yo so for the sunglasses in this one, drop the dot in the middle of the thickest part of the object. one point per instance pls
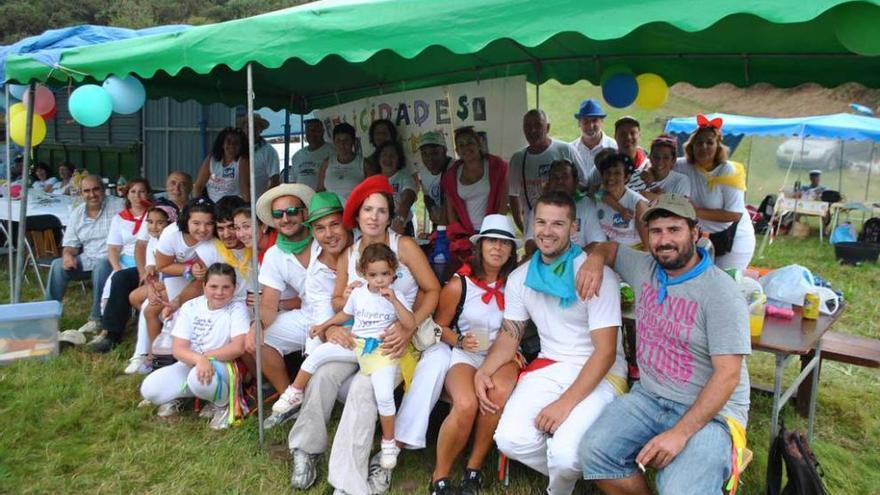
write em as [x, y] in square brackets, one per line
[291, 211]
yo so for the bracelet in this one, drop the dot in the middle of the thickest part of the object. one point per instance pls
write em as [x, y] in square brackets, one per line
[187, 273]
[211, 358]
[460, 341]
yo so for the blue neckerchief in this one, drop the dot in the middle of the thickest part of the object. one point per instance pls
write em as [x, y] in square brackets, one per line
[370, 345]
[556, 279]
[665, 281]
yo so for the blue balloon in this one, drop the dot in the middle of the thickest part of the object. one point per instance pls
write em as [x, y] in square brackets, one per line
[17, 90]
[128, 94]
[90, 105]
[620, 90]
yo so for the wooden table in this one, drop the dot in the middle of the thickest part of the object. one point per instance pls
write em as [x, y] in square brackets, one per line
[800, 206]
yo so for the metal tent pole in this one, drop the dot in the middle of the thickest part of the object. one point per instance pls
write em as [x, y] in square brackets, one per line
[22, 214]
[286, 145]
[9, 200]
[258, 324]
[779, 198]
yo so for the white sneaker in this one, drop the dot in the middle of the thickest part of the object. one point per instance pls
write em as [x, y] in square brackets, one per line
[379, 479]
[73, 337]
[290, 399]
[220, 421]
[170, 408]
[135, 364]
[144, 403]
[90, 326]
[388, 460]
[208, 410]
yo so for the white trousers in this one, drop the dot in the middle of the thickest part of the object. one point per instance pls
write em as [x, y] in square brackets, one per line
[383, 379]
[180, 380]
[142, 346]
[554, 455]
[289, 332]
[411, 425]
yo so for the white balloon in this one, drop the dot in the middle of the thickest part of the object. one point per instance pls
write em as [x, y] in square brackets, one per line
[128, 94]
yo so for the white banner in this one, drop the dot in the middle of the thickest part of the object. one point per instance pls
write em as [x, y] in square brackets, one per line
[493, 107]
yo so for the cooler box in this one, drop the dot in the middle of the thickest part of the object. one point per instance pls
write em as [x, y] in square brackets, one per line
[29, 330]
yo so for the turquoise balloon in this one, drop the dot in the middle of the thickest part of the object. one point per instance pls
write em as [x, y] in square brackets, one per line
[90, 105]
[128, 94]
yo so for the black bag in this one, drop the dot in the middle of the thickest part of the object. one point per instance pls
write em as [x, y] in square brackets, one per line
[871, 231]
[801, 467]
[723, 241]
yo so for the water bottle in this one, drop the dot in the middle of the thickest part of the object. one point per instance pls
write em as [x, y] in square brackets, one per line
[440, 255]
[705, 243]
[161, 349]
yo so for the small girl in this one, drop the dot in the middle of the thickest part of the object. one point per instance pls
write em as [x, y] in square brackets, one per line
[209, 333]
[374, 308]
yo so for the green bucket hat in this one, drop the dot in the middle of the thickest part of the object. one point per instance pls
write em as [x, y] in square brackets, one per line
[323, 204]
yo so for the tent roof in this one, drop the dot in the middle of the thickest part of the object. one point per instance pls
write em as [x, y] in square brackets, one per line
[836, 126]
[328, 52]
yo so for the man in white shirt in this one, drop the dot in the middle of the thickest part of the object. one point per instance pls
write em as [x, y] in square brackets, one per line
[530, 166]
[265, 163]
[84, 248]
[435, 161]
[592, 140]
[305, 163]
[581, 367]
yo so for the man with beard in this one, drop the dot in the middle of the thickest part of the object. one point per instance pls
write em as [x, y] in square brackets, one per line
[688, 412]
[581, 367]
[592, 140]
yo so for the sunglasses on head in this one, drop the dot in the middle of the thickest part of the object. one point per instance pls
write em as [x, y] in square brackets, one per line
[290, 211]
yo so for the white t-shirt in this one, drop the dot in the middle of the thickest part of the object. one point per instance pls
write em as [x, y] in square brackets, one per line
[281, 270]
[475, 196]
[206, 329]
[40, 185]
[720, 197]
[341, 178]
[477, 314]
[612, 222]
[121, 234]
[150, 259]
[372, 313]
[586, 157]
[588, 228]
[565, 332]
[431, 185]
[319, 285]
[305, 163]
[224, 181]
[209, 255]
[401, 181]
[673, 183]
[266, 164]
[171, 243]
[537, 171]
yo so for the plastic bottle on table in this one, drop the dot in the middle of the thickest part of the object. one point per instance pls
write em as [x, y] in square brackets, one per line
[705, 243]
[440, 255]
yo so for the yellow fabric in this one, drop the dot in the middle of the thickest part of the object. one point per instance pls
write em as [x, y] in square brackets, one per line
[408, 365]
[738, 439]
[373, 361]
[618, 382]
[736, 180]
[242, 266]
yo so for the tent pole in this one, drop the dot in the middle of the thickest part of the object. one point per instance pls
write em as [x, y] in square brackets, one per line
[870, 167]
[781, 195]
[286, 145]
[302, 131]
[749, 162]
[840, 171]
[538, 95]
[9, 198]
[255, 287]
[22, 214]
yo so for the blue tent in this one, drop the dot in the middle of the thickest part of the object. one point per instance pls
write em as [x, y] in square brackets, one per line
[836, 126]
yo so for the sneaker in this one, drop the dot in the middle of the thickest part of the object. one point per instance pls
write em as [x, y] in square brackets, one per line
[379, 479]
[101, 344]
[135, 364]
[389, 454]
[305, 469]
[144, 403]
[276, 419]
[90, 326]
[441, 487]
[471, 482]
[220, 421]
[337, 491]
[170, 408]
[289, 400]
[73, 337]
[208, 409]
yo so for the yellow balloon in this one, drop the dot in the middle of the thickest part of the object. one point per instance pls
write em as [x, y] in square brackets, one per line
[16, 109]
[653, 91]
[17, 129]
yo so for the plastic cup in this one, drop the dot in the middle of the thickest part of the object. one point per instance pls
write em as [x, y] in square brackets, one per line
[757, 306]
[482, 336]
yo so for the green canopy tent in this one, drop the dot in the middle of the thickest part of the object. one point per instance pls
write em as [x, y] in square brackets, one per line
[334, 51]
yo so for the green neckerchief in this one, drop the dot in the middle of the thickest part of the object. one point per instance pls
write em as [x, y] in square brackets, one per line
[292, 247]
[578, 196]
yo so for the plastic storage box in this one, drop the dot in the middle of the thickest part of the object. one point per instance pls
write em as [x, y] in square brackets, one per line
[29, 330]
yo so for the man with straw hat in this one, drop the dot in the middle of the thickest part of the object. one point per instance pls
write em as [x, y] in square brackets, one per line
[267, 168]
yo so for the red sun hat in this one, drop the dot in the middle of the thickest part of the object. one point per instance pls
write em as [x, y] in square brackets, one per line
[374, 184]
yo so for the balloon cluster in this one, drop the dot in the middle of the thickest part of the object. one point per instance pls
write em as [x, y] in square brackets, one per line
[90, 105]
[621, 88]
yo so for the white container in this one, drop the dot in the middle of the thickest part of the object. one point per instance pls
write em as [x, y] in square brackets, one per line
[29, 330]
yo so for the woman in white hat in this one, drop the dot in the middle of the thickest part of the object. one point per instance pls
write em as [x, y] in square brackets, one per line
[470, 312]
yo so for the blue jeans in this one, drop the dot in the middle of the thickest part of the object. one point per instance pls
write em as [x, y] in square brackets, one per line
[609, 448]
[59, 278]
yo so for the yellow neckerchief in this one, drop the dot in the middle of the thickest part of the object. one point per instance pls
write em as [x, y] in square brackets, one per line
[242, 266]
[373, 361]
[738, 440]
[736, 180]
[618, 383]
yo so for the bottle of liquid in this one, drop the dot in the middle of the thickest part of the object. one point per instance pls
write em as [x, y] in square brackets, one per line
[161, 349]
[705, 243]
[440, 255]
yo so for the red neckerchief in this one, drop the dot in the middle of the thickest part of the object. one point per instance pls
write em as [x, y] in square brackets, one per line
[488, 291]
[535, 365]
[126, 214]
[271, 236]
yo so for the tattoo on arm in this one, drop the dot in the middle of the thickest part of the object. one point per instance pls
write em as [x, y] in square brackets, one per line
[515, 329]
